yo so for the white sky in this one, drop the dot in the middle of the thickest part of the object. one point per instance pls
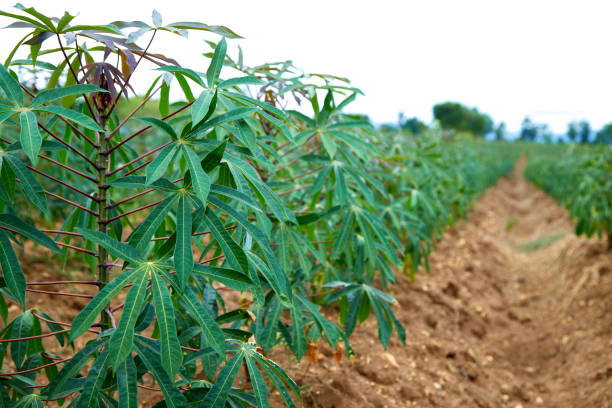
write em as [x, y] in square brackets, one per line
[550, 60]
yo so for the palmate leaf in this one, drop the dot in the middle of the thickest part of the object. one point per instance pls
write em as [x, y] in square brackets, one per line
[29, 401]
[11, 269]
[122, 339]
[171, 354]
[183, 254]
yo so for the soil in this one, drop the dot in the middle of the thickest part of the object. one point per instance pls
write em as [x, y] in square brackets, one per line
[515, 312]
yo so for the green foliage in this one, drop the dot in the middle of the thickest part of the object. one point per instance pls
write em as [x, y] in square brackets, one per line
[604, 135]
[174, 204]
[579, 132]
[455, 116]
[579, 178]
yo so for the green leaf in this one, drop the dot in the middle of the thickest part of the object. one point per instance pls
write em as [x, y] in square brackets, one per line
[149, 354]
[214, 69]
[171, 354]
[189, 73]
[233, 253]
[122, 339]
[30, 137]
[246, 80]
[183, 254]
[140, 238]
[164, 99]
[344, 234]
[49, 95]
[10, 86]
[329, 144]
[11, 270]
[127, 386]
[384, 326]
[218, 394]
[91, 311]
[228, 277]
[229, 116]
[159, 124]
[236, 195]
[114, 247]
[200, 108]
[22, 327]
[95, 377]
[72, 368]
[14, 223]
[157, 18]
[159, 165]
[277, 278]
[189, 25]
[210, 329]
[71, 115]
[30, 186]
[199, 179]
[139, 182]
[259, 384]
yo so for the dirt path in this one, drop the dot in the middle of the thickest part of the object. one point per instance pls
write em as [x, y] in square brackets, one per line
[517, 312]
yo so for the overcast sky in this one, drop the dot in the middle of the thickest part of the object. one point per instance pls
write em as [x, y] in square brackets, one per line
[550, 60]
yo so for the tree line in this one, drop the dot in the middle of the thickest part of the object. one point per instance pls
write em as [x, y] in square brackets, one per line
[454, 118]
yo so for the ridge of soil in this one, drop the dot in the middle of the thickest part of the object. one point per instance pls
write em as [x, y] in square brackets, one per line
[515, 312]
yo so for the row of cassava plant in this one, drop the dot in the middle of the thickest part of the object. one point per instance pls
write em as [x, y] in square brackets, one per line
[579, 178]
[173, 204]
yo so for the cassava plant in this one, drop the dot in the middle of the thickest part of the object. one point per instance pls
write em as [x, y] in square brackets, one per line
[579, 177]
[210, 227]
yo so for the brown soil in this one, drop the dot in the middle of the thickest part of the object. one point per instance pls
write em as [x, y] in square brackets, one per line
[516, 312]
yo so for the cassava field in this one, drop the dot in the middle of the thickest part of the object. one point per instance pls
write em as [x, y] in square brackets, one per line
[249, 243]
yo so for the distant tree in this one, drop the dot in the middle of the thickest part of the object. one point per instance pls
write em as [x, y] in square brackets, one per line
[529, 130]
[579, 131]
[585, 132]
[500, 131]
[605, 135]
[414, 125]
[572, 132]
[453, 115]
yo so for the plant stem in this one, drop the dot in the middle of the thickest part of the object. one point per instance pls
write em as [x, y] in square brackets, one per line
[102, 165]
